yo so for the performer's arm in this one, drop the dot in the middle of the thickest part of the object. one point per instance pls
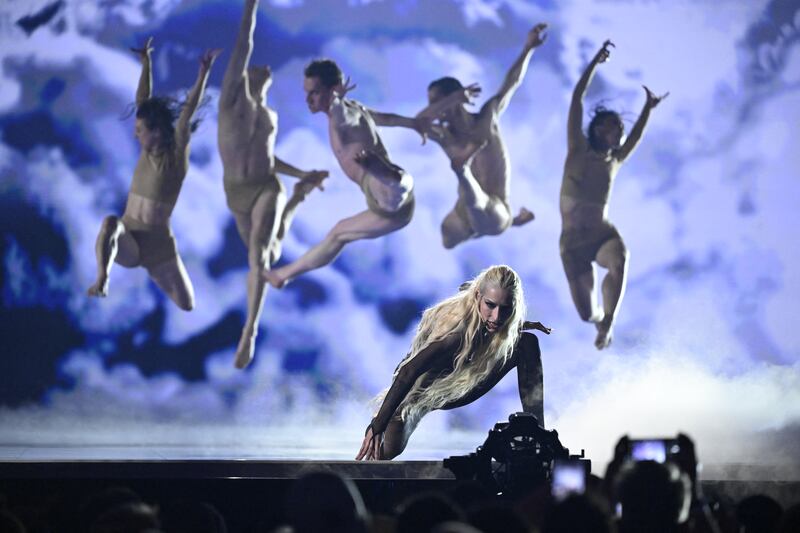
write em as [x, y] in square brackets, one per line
[638, 129]
[575, 118]
[235, 79]
[405, 378]
[529, 376]
[421, 125]
[392, 120]
[282, 167]
[516, 73]
[183, 125]
[145, 89]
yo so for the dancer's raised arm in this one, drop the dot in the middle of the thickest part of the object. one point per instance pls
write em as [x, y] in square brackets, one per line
[575, 117]
[145, 89]
[234, 83]
[183, 125]
[536, 36]
[638, 129]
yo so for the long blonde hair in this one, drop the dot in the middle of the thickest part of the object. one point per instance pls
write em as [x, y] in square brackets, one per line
[460, 315]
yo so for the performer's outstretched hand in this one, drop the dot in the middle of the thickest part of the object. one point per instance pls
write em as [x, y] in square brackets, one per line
[145, 51]
[473, 90]
[343, 88]
[422, 124]
[314, 178]
[604, 52]
[371, 447]
[536, 325]
[208, 58]
[652, 99]
[537, 36]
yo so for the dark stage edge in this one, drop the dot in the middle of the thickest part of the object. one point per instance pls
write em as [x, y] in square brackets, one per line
[250, 489]
[221, 469]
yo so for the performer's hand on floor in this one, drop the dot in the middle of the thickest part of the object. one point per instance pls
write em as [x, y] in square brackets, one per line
[371, 447]
[536, 325]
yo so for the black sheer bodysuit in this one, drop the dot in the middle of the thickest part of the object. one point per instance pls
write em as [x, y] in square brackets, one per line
[437, 360]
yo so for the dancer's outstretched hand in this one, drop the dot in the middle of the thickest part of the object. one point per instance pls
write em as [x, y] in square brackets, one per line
[422, 124]
[371, 447]
[312, 179]
[652, 99]
[208, 58]
[343, 88]
[536, 325]
[473, 90]
[604, 53]
[537, 35]
[145, 51]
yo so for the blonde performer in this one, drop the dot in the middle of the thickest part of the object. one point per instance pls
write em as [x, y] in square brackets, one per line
[463, 347]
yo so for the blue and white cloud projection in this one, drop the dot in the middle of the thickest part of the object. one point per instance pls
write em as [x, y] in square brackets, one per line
[707, 340]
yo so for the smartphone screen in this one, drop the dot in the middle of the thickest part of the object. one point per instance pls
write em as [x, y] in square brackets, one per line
[650, 450]
[569, 477]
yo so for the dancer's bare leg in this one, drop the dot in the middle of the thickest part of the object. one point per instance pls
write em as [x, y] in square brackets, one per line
[113, 244]
[172, 278]
[380, 167]
[455, 229]
[365, 225]
[487, 214]
[263, 225]
[613, 256]
[585, 297]
[301, 190]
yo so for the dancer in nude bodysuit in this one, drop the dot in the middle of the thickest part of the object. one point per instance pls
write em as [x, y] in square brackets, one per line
[475, 147]
[354, 139]
[463, 347]
[587, 236]
[255, 196]
[143, 236]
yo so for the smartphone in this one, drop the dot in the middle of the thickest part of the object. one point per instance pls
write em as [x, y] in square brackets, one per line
[568, 477]
[658, 450]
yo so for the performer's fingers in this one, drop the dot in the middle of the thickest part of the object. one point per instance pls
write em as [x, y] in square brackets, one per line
[362, 451]
[376, 450]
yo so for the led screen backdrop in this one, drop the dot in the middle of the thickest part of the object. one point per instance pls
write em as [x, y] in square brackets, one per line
[707, 340]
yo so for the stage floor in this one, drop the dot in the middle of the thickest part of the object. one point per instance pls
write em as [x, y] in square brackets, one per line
[282, 462]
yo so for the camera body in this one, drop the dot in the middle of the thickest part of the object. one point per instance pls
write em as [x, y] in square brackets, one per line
[516, 456]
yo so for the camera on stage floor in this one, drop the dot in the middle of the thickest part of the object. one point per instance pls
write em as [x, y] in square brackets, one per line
[516, 457]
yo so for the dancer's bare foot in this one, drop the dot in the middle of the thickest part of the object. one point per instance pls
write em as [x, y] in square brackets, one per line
[378, 165]
[246, 349]
[274, 278]
[460, 160]
[523, 217]
[604, 334]
[99, 289]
